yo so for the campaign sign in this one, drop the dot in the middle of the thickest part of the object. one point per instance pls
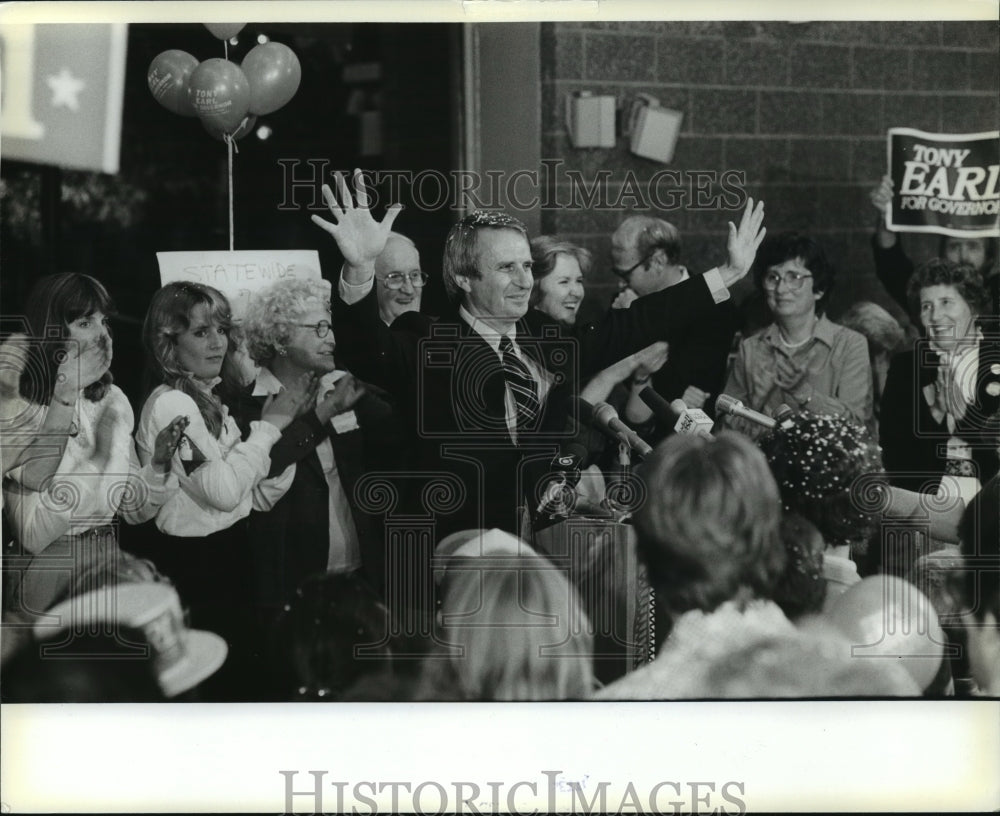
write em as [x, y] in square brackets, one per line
[944, 183]
[238, 273]
[62, 94]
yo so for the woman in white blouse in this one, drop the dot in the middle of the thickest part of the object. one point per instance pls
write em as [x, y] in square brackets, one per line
[63, 526]
[187, 337]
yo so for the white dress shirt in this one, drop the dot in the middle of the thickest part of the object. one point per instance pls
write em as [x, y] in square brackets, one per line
[98, 477]
[344, 551]
[231, 481]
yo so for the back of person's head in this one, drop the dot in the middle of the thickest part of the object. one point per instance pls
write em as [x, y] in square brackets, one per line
[170, 314]
[882, 331]
[799, 667]
[330, 636]
[461, 248]
[801, 589]
[96, 667]
[818, 462]
[511, 628]
[54, 302]
[708, 527]
[790, 246]
[980, 547]
[651, 234]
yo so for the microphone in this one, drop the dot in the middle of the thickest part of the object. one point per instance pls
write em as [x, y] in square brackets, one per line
[606, 418]
[676, 414]
[730, 405]
[783, 417]
[691, 421]
[564, 470]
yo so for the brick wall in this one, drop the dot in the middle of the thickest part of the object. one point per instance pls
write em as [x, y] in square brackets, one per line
[801, 108]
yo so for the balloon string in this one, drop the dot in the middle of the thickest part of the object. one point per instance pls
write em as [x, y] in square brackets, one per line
[229, 152]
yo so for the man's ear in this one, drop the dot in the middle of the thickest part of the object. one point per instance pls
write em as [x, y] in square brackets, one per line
[462, 281]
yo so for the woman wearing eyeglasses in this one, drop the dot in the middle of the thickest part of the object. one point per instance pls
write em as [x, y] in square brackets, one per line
[317, 526]
[803, 359]
[202, 543]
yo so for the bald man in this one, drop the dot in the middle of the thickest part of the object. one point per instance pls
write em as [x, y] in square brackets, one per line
[400, 281]
[646, 253]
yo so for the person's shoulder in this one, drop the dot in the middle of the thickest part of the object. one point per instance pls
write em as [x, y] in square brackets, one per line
[163, 398]
[416, 323]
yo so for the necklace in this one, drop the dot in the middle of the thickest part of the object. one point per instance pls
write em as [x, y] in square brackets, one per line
[786, 344]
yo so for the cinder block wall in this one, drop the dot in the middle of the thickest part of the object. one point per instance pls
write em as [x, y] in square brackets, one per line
[802, 109]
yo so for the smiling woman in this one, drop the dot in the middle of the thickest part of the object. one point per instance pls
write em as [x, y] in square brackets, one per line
[947, 438]
[197, 540]
[803, 359]
[559, 271]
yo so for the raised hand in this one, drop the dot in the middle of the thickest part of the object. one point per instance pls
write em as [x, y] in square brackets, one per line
[344, 395]
[167, 441]
[624, 299]
[694, 397]
[743, 242]
[359, 237]
[652, 358]
[294, 400]
[881, 196]
[81, 365]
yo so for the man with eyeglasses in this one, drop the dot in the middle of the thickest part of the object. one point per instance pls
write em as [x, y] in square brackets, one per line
[646, 254]
[399, 279]
[803, 359]
[487, 379]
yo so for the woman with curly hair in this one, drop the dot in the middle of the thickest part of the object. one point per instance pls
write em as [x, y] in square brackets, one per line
[939, 431]
[319, 525]
[67, 520]
[187, 337]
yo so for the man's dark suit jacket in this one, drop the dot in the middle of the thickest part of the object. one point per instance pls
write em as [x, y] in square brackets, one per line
[291, 541]
[455, 385]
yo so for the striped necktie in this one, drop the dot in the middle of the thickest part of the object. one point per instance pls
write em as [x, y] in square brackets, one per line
[522, 386]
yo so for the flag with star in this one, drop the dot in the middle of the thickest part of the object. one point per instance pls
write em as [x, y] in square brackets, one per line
[63, 87]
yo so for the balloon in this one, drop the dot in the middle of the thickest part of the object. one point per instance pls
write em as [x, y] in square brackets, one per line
[220, 94]
[245, 127]
[225, 30]
[168, 77]
[887, 617]
[274, 73]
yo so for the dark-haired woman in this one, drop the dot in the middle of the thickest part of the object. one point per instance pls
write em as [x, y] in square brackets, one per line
[66, 525]
[939, 432]
[187, 338]
[803, 359]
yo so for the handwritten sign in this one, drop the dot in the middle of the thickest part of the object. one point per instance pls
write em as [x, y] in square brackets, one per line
[240, 273]
[945, 183]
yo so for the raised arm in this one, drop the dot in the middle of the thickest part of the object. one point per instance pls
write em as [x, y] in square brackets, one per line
[743, 243]
[359, 237]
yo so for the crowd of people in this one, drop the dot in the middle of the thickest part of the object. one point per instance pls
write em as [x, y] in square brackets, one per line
[506, 502]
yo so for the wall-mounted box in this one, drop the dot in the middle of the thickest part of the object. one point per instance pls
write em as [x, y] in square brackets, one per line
[654, 130]
[590, 120]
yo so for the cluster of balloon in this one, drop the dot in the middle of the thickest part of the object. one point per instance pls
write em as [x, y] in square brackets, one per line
[226, 97]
